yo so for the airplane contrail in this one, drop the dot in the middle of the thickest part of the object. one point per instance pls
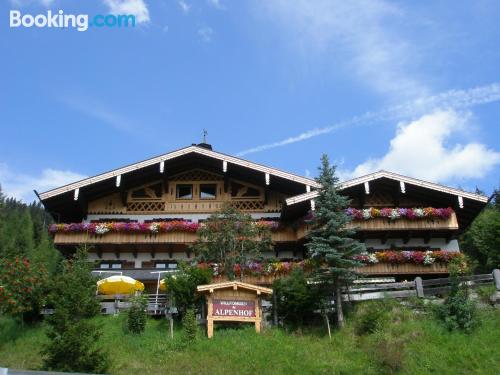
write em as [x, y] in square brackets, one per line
[452, 99]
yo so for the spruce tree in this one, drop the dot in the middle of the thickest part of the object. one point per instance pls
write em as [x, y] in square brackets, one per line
[331, 243]
[73, 337]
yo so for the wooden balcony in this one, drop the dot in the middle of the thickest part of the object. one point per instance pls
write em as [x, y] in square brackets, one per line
[380, 224]
[403, 269]
[383, 224]
[282, 235]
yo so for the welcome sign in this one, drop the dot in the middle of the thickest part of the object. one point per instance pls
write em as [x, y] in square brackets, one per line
[233, 301]
[241, 308]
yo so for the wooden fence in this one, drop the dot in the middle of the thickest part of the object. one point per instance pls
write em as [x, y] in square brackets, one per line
[417, 288]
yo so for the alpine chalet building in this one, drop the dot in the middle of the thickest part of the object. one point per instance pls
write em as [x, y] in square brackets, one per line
[143, 217]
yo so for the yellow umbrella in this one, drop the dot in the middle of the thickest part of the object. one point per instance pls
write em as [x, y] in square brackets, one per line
[119, 285]
[163, 285]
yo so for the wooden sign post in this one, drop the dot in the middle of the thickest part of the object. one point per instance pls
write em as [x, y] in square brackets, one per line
[233, 301]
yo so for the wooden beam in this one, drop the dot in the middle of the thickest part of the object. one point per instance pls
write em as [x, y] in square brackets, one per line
[383, 239]
[367, 187]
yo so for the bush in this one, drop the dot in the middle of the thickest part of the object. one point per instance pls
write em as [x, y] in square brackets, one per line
[372, 315]
[136, 317]
[182, 286]
[458, 311]
[297, 300]
[485, 293]
[190, 326]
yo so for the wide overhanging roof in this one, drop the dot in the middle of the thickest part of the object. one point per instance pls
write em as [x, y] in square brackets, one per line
[176, 154]
[467, 205]
[393, 176]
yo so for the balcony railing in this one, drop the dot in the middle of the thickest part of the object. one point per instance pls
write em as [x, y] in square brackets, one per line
[70, 238]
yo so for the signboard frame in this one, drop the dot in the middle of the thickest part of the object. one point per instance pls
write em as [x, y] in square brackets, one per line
[233, 291]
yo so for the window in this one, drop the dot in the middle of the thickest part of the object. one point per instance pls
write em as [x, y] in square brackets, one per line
[104, 265]
[116, 265]
[238, 191]
[161, 265]
[208, 191]
[172, 266]
[184, 192]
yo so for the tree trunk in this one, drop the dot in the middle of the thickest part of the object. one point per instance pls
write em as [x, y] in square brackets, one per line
[328, 326]
[338, 305]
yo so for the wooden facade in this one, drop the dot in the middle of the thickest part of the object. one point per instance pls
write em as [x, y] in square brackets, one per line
[234, 292]
[192, 183]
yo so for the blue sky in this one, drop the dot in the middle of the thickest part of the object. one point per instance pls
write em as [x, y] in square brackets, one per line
[408, 87]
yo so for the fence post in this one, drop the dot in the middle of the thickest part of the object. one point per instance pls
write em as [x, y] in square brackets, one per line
[419, 287]
[496, 277]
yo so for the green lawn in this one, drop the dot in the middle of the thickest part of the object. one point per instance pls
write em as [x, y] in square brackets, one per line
[419, 344]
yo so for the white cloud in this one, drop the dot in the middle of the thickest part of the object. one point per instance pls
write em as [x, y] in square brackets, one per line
[97, 110]
[185, 7]
[358, 35]
[452, 99]
[21, 186]
[206, 34]
[135, 7]
[421, 149]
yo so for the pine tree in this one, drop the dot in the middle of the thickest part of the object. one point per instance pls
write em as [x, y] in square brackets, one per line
[73, 338]
[18, 236]
[331, 243]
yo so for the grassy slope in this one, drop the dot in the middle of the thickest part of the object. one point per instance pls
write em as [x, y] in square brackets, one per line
[431, 350]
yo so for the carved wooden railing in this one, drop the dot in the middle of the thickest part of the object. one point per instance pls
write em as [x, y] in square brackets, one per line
[384, 224]
[67, 238]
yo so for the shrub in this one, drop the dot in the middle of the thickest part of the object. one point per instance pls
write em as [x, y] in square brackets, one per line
[23, 287]
[190, 326]
[182, 286]
[136, 317]
[372, 315]
[458, 311]
[485, 293]
[297, 300]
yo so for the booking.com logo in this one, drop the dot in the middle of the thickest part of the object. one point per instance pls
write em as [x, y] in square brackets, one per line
[80, 22]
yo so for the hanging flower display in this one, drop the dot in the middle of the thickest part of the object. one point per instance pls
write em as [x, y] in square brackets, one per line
[145, 228]
[399, 213]
[412, 257]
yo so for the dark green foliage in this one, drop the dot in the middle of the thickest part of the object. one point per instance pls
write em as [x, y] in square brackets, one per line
[230, 237]
[331, 244]
[481, 242]
[371, 316]
[24, 244]
[136, 316]
[73, 344]
[189, 326]
[297, 300]
[181, 287]
[458, 311]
